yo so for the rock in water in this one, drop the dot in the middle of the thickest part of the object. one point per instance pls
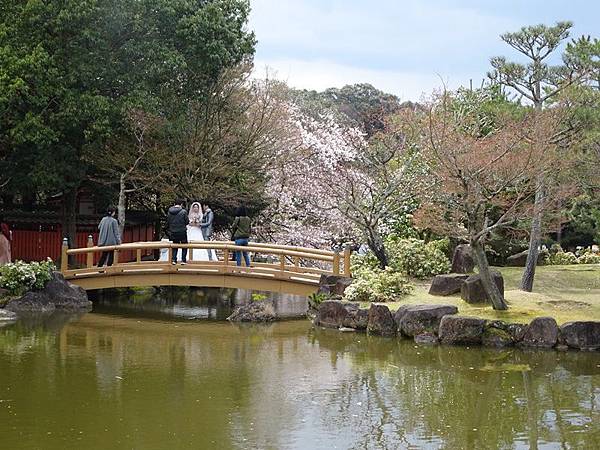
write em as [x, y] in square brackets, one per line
[258, 311]
[426, 338]
[496, 337]
[447, 284]
[58, 294]
[7, 316]
[472, 289]
[458, 330]
[542, 332]
[332, 314]
[462, 259]
[412, 320]
[381, 320]
[581, 335]
[357, 318]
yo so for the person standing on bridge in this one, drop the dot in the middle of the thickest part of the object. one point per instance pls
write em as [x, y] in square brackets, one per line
[240, 233]
[177, 222]
[108, 234]
[207, 227]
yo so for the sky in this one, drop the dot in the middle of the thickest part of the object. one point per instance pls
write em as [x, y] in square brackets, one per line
[405, 47]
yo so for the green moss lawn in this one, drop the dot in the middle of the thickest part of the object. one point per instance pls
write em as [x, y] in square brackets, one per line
[563, 292]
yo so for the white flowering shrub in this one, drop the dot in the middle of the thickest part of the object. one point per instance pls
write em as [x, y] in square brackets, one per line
[418, 259]
[376, 285]
[19, 277]
[561, 259]
[589, 258]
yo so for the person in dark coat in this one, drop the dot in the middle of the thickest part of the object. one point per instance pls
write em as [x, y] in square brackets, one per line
[108, 234]
[240, 234]
[207, 228]
[177, 222]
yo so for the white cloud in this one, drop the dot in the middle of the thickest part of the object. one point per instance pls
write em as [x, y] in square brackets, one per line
[322, 74]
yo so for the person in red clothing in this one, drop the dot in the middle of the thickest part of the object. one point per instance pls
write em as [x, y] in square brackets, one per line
[4, 242]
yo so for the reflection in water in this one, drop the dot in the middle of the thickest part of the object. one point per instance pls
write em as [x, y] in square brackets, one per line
[115, 381]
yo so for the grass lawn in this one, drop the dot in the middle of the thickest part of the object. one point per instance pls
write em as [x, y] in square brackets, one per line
[563, 292]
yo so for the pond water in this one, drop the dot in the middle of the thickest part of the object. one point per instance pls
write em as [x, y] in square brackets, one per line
[159, 375]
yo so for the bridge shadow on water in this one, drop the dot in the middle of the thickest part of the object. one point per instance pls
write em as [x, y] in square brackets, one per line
[189, 303]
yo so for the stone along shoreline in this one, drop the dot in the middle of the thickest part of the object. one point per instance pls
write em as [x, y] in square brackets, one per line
[441, 324]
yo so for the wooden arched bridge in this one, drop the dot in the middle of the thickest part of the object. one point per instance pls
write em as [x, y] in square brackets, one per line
[285, 269]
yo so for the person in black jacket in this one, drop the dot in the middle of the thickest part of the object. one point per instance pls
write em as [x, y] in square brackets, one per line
[177, 222]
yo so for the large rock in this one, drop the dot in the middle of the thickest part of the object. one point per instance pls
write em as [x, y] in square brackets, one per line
[542, 332]
[58, 294]
[458, 330]
[447, 284]
[472, 289]
[256, 311]
[334, 284]
[7, 316]
[581, 335]
[496, 334]
[462, 259]
[357, 318]
[331, 314]
[380, 320]
[516, 331]
[519, 259]
[412, 320]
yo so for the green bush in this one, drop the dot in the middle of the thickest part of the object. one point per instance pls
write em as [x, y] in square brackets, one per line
[19, 277]
[418, 259]
[378, 286]
[255, 297]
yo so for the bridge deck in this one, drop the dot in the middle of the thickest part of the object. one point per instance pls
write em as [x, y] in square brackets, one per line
[293, 270]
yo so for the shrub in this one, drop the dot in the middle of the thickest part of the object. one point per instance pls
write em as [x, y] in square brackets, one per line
[418, 259]
[378, 286]
[562, 259]
[315, 299]
[19, 277]
[255, 297]
[589, 258]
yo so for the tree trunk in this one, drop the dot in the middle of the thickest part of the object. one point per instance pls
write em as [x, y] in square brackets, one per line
[376, 245]
[535, 238]
[121, 209]
[69, 219]
[489, 286]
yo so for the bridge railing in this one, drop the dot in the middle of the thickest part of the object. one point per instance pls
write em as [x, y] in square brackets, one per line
[287, 262]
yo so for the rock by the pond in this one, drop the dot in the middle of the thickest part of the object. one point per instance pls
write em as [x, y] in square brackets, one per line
[334, 284]
[6, 316]
[496, 337]
[331, 314]
[472, 289]
[3, 292]
[542, 332]
[357, 318]
[447, 284]
[426, 338]
[58, 294]
[413, 320]
[459, 330]
[462, 259]
[516, 331]
[256, 311]
[583, 335]
[381, 321]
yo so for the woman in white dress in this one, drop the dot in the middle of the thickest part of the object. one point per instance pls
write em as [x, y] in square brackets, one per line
[194, 232]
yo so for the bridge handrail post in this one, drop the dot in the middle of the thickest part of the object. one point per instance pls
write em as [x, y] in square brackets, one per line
[90, 255]
[282, 263]
[64, 258]
[347, 260]
[138, 255]
[336, 262]
[115, 256]
[225, 258]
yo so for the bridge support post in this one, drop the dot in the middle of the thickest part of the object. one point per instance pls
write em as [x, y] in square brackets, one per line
[225, 259]
[64, 258]
[90, 255]
[336, 263]
[347, 254]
